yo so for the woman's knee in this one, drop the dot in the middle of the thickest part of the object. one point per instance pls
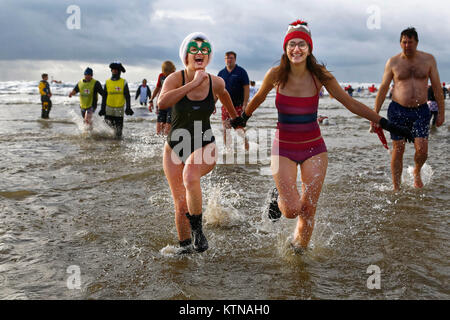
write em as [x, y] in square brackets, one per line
[290, 212]
[191, 179]
[304, 209]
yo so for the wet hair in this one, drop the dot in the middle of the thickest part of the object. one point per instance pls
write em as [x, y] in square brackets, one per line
[44, 75]
[316, 68]
[410, 33]
[229, 53]
[168, 67]
[252, 83]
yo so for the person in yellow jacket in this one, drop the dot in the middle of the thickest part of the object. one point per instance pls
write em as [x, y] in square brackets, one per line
[116, 96]
[44, 90]
[89, 89]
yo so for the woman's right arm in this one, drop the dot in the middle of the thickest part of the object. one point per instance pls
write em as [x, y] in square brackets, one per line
[266, 86]
[172, 92]
[155, 93]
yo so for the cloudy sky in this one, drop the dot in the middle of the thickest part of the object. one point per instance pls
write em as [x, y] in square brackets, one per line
[353, 38]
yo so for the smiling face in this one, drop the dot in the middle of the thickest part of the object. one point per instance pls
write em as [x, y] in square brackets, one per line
[297, 50]
[198, 54]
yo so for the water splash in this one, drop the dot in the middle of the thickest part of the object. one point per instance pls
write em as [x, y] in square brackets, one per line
[217, 214]
[426, 173]
[382, 187]
[169, 251]
[99, 127]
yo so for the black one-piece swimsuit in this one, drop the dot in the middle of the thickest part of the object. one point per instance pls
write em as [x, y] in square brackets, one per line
[191, 128]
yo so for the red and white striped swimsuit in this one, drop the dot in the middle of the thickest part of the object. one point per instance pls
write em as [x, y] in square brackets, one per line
[298, 134]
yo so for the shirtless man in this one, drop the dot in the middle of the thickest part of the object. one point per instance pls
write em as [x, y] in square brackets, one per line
[410, 71]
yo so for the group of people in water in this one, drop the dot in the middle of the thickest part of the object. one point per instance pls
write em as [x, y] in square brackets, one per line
[191, 94]
[360, 89]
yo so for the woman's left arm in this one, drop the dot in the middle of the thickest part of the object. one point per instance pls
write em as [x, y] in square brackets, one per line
[364, 111]
[351, 104]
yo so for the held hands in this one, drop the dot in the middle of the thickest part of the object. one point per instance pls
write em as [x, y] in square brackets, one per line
[397, 130]
[237, 122]
[150, 106]
[240, 121]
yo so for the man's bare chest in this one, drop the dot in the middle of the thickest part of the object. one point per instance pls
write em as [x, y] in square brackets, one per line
[407, 70]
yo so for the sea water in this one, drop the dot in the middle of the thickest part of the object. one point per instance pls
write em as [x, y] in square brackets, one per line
[86, 216]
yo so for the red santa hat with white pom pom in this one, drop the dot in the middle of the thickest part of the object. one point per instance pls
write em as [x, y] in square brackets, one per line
[298, 29]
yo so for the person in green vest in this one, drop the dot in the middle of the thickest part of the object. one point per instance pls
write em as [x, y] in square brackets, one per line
[89, 89]
[44, 90]
[116, 96]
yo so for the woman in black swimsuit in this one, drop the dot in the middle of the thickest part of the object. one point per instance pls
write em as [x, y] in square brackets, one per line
[190, 151]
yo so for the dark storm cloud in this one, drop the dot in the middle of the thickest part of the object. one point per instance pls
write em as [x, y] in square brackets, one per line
[148, 32]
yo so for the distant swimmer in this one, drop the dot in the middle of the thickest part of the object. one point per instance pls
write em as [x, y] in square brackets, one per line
[432, 105]
[45, 92]
[190, 149]
[350, 90]
[144, 91]
[298, 140]
[410, 71]
[164, 117]
[116, 95]
[372, 89]
[89, 89]
[444, 90]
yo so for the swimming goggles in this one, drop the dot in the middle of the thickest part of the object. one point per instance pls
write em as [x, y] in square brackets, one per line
[204, 49]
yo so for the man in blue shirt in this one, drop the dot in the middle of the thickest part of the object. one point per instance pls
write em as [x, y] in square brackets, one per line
[237, 85]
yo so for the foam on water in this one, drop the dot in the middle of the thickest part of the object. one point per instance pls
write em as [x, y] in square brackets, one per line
[383, 186]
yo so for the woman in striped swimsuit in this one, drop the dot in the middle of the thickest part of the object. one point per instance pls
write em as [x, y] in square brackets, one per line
[298, 141]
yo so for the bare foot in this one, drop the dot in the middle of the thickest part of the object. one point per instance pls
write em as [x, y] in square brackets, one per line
[417, 179]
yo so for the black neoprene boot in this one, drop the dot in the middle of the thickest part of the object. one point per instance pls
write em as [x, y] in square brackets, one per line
[274, 212]
[185, 247]
[200, 241]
